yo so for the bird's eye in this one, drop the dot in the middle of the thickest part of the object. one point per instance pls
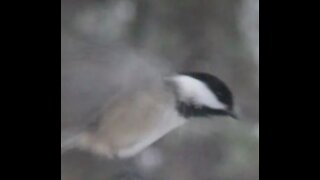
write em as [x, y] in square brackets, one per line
[218, 93]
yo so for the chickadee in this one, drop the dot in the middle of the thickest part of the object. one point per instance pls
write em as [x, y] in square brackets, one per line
[137, 120]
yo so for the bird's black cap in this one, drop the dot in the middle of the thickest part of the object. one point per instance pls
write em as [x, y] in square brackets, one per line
[218, 87]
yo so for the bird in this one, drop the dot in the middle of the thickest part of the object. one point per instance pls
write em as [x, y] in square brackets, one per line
[136, 120]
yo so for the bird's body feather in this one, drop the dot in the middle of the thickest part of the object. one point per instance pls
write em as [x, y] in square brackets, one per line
[145, 117]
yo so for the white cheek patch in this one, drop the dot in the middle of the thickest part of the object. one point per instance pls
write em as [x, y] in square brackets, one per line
[193, 90]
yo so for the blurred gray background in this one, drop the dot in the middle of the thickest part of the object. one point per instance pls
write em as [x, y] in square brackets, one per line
[110, 46]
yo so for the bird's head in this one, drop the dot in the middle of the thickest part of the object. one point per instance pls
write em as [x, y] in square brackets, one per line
[200, 95]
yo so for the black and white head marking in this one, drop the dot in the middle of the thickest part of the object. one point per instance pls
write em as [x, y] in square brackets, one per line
[201, 94]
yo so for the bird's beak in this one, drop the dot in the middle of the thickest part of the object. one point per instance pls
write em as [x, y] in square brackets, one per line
[233, 115]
